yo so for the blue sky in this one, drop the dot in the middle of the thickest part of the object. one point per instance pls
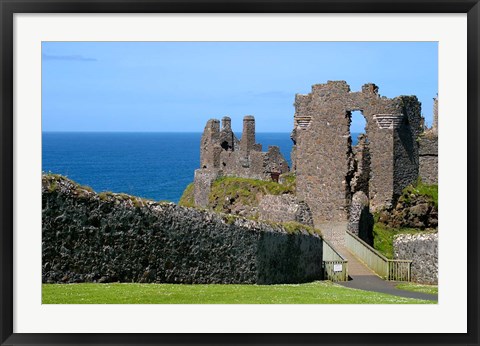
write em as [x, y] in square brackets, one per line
[178, 86]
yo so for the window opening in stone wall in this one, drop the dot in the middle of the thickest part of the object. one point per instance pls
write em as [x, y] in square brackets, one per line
[357, 126]
[356, 176]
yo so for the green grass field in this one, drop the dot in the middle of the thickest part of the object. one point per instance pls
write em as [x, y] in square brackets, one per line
[323, 292]
[410, 286]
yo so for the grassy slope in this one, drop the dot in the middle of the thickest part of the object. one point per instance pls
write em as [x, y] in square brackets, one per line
[245, 191]
[420, 189]
[383, 237]
[410, 286]
[311, 293]
[187, 199]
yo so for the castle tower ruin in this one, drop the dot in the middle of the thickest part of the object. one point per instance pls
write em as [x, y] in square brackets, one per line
[247, 142]
[227, 138]
[222, 154]
[324, 160]
[210, 156]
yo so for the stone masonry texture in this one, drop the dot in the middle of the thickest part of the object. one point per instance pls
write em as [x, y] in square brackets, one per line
[284, 208]
[340, 185]
[202, 185]
[423, 250]
[89, 237]
[435, 114]
[428, 152]
[326, 164]
[222, 154]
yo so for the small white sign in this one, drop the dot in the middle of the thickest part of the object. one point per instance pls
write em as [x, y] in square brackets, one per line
[337, 267]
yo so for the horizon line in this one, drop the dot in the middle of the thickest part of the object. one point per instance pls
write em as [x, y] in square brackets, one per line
[160, 132]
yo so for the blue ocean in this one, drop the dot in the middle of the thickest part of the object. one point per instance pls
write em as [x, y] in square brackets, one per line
[156, 166]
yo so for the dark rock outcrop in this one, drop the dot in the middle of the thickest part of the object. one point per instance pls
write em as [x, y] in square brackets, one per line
[416, 212]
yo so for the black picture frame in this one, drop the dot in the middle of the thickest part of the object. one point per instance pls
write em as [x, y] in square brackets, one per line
[9, 7]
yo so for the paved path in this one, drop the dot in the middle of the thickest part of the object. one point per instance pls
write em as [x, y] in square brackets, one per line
[364, 279]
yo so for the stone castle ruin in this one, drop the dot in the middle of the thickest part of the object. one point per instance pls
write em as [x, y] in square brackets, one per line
[329, 171]
[339, 183]
[223, 154]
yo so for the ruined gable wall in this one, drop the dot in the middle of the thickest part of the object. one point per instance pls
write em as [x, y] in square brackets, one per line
[384, 117]
[323, 147]
[405, 143]
[321, 151]
[274, 160]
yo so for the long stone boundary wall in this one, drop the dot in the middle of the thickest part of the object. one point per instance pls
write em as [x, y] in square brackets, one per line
[423, 250]
[89, 237]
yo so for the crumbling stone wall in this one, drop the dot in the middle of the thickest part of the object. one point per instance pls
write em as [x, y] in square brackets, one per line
[361, 220]
[284, 208]
[361, 166]
[89, 237]
[221, 153]
[323, 154]
[423, 250]
[428, 157]
[221, 150]
[405, 145]
[435, 115]
[428, 150]
[202, 185]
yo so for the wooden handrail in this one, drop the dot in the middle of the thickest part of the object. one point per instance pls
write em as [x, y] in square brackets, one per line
[390, 269]
[371, 249]
[333, 249]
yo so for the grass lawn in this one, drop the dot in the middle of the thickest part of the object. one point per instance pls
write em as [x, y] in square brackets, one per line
[410, 286]
[320, 292]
